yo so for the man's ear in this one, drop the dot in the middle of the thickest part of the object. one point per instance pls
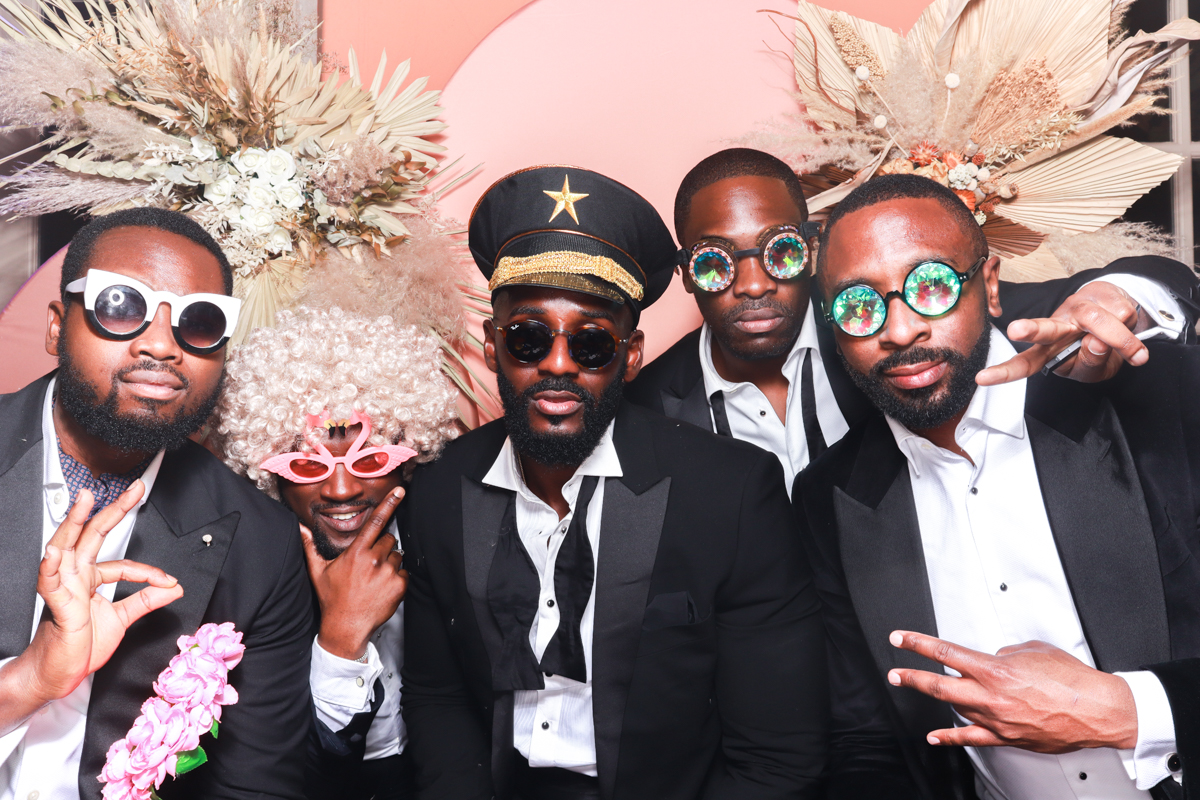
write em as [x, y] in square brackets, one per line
[489, 346]
[634, 354]
[56, 315]
[990, 271]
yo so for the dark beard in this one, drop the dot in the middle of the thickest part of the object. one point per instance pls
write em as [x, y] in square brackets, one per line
[129, 434]
[786, 337]
[918, 409]
[557, 449]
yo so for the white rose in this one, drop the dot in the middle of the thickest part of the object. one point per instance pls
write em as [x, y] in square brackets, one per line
[259, 193]
[233, 213]
[203, 149]
[123, 170]
[220, 191]
[279, 166]
[279, 240]
[250, 160]
[177, 174]
[289, 195]
[256, 220]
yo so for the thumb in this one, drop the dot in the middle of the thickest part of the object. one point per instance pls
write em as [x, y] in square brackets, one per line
[316, 564]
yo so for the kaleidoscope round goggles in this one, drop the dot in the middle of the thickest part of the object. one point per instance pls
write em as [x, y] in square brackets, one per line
[369, 462]
[591, 347]
[712, 263]
[119, 307]
[930, 289]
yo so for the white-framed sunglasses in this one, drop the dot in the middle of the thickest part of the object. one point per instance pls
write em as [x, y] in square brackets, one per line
[119, 307]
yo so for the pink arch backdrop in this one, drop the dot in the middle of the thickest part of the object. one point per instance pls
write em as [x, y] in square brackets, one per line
[637, 90]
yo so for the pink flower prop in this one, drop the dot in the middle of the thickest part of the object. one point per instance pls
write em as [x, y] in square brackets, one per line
[189, 695]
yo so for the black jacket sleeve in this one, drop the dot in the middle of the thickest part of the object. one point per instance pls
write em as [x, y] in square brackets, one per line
[1029, 300]
[770, 686]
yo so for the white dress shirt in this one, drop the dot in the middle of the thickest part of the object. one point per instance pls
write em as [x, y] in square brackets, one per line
[996, 580]
[40, 759]
[342, 688]
[553, 727]
[753, 420]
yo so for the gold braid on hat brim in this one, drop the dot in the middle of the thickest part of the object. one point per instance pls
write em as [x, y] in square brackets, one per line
[511, 269]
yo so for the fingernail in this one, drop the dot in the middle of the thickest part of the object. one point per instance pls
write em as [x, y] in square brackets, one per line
[173, 579]
[896, 639]
[396, 492]
[894, 678]
[1139, 358]
[1097, 347]
[933, 739]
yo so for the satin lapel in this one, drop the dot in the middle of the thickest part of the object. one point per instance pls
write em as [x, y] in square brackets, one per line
[170, 533]
[884, 563]
[482, 512]
[850, 400]
[635, 507]
[692, 407]
[21, 508]
[1097, 512]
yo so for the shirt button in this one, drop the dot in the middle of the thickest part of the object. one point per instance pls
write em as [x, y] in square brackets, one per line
[974, 490]
[1004, 587]
[1083, 776]
[762, 413]
[359, 681]
[549, 674]
[58, 498]
[389, 674]
[34, 795]
[550, 603]
[545, 726]
[1173, 762]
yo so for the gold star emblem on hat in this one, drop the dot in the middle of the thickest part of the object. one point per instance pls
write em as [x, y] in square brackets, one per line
[564, 199]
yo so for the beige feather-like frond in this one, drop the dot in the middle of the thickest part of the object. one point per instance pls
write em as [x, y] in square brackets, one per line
[1010, 239]
[1086, 187]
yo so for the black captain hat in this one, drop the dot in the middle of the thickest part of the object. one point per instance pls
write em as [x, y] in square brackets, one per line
[575, 229]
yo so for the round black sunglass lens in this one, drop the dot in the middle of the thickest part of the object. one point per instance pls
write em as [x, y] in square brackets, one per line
[202, 324]
[120, 309]
[593, 348]
[528, 343]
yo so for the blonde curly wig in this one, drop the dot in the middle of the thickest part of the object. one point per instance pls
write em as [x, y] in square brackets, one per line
[316, 359]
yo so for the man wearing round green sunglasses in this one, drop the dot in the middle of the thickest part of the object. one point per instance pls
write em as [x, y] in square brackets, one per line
[1006, 569]
[763, 370]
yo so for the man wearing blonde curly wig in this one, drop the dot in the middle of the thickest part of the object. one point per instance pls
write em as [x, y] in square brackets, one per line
[322, 412]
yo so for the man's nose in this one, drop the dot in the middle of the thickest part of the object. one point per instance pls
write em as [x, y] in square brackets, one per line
[158, 340]
[558, 361]
[903, 326]
[750, 278]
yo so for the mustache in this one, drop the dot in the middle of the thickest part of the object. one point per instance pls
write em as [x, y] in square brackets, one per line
[757, 304]
[914, 355]
[150, 365]
[559, 384]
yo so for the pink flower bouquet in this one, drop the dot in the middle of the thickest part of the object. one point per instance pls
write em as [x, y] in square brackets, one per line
[189, 694]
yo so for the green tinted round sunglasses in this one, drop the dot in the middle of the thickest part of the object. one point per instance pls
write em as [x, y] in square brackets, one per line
[931, 289]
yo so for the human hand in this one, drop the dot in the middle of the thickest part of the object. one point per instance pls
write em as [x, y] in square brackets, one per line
[1102, 314]
[1032, 695]
[84, 628]
[361, 588]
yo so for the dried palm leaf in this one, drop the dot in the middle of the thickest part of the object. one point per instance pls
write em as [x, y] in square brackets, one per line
[1009, 239]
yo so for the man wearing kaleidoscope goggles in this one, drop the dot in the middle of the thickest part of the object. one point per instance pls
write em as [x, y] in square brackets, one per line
[325, 411]
[139, 334]
[763, 367]
[1007, 570]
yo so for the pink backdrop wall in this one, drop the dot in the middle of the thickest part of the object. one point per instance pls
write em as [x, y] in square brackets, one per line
[637, 89]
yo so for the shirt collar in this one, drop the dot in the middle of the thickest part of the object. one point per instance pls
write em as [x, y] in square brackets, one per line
[506, 474]
[713, 382]
[52, 474]
[999, 408]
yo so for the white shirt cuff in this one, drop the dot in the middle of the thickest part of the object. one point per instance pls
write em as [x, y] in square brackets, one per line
[1155, 748]
[11, 741]
[340, 687]
[1158, 303]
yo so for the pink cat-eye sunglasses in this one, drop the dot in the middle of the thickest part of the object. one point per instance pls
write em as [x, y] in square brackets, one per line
[370, 462]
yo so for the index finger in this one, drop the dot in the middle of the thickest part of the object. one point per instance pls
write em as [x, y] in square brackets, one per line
[375, 525]
[961, 659]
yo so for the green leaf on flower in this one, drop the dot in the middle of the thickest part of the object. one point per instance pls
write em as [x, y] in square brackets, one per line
[154, 794]
[189, 760]
[213, 729]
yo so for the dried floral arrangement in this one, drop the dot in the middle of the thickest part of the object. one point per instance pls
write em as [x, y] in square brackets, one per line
[1004, 101]
[214, 108]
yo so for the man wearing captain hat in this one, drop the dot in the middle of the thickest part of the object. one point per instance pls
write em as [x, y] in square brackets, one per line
[603, 602]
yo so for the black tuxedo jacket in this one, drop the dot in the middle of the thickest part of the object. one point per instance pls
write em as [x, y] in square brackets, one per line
[251, 573]
[1117, 464]
[673, 383]
[708, 661]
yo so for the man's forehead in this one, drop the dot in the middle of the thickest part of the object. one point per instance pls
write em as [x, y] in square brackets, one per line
[893, 234]
[162, 260]
[538, 301]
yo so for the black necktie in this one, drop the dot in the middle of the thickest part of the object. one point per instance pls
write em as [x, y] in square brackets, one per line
[808, 410]
[514, 591]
